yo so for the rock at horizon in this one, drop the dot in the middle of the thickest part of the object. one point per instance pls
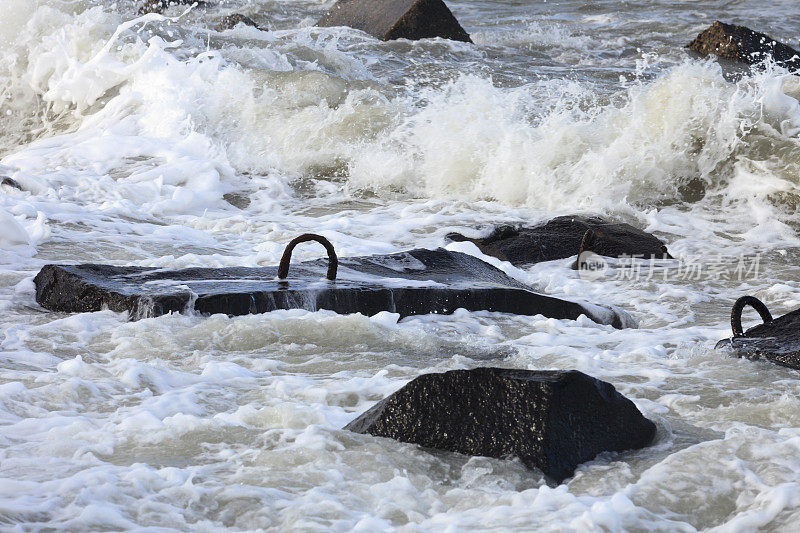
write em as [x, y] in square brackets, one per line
[741, 44]
[228, 22]
[397, 19]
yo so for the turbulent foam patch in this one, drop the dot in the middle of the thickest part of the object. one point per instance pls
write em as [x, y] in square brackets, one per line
[202, 117]
[686, 127]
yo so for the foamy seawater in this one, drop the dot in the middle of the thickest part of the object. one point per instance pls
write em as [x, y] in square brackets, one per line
[158, 141]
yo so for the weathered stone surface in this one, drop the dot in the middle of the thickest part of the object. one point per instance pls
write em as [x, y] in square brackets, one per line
[552, 420]
[408, 283]
[561, 238]
[397, 19]
[158, 6]
[4, 180]
[776, 340]
[228, 22]
[738, 43]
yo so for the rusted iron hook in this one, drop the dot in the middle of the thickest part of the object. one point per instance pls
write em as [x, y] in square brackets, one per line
[333, 261]
[738, 307]
[586, 245]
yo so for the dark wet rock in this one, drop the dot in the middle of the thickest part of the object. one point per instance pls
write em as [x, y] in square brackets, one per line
[552, 420]
[229, 22]
[408, 283]
[561, 237]
[158, 6]
[10, 182]
[776, 340]
[237, 199]
[741, 44]
[397, 19]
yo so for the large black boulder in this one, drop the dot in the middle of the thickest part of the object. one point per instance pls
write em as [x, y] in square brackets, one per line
[552, 420]
[408, 283]
[741, 44]
[776, 340]
[561, 237]
[397, 19]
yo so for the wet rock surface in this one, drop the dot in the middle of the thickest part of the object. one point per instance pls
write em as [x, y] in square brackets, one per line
[397, 19]
[561, 237]
[228, 22]
[408, 283]
[552, 420]
[743, 45]
[776, 340]
[9, 182]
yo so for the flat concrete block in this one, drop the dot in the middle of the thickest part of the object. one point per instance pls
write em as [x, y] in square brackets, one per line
[408, 283]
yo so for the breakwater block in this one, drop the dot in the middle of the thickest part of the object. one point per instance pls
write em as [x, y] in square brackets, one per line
[566, 236]
[397, 19]
[776, 340]
[409, 283]
[739, 43]
[552, 420]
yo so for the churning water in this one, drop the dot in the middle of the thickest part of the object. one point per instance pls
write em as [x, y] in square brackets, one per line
[161, 142]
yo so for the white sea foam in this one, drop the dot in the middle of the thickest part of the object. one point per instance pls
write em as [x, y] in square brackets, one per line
[142, 140]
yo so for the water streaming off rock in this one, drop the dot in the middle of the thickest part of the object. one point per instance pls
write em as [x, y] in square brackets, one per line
[161, 142]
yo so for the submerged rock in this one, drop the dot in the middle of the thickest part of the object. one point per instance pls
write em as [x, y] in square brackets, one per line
[408, 283]
[562, 237]
[552, 420]
[738, 43]
[240, 200]
[229, 22]
[4, 180]
[776, 340]
[397, 19]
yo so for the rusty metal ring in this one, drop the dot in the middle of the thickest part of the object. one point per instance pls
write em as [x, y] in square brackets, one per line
[586, 244]
[333, 261]
[738, 308]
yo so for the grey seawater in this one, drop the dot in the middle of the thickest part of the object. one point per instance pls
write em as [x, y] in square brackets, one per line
[164, 143]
